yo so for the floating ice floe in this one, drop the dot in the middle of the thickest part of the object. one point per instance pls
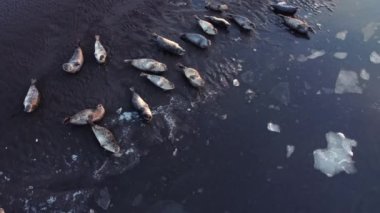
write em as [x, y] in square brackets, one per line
[337, 157]
[369, 30]
[273, 127]
[314, 55]
[340, 55]
[281, 93]
[104, 198]
[374, 57]
[364, 75]
[289, 150]
[128, 116]
[347, 82]
[236, 83]
[342, 35]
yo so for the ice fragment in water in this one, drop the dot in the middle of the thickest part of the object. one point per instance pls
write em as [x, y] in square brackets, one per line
[316, 54]
[51, 200]
[250, 95]
[118, 111]
[342, 35]
[337, 157]
[128, 116]
[289, 150]
[236, 82]
[104, 198]
[374, 57]
[281, 93]
[273, 127]
[369, 30]
[340, 55]
[347, 82]
[364, 75]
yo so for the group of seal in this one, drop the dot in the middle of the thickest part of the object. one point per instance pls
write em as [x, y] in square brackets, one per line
[152, 69]
[287, 12]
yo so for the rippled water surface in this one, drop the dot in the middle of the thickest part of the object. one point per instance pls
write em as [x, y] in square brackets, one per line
[205, 151]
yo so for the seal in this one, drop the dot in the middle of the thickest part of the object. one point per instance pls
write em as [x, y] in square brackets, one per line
[86, 116]
[297, 25]
[105, 138]
[192, 75]
[196, 39]
[168, 45]
[147, 64]
[242, 21]
[206, 26]
[32, 98]
[76, 61]
[100, 52]
[159, 81]
[217, 7]
[218, 21]
[141, 106]
[284, 8]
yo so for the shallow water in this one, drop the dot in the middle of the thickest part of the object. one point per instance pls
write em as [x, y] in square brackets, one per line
[204, 152]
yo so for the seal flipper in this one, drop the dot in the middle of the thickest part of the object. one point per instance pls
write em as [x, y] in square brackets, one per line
[66, 120]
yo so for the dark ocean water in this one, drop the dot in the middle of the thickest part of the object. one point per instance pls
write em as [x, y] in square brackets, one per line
[207, 151]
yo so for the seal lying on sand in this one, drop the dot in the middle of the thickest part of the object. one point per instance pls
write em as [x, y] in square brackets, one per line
[147, 64]
[76, 61]
[206, 26]
[141, 106]
[192, 75]
[105, 138]
[159, 81]
[168, 45]
[196, 39]
[217, 7]
[32, 98]
[242, 21]
[86, 116]
[284, 8]
[100, 52]
[297, 25]
[218, 21]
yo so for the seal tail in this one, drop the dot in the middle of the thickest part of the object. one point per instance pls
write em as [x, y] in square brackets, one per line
[33, 81]
[78, 42]
[128, 60]
[66, 120]
[97, 37]
[143, 75]
[196, 17]
[132, 89]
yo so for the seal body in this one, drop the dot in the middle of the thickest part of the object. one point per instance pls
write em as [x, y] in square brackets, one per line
[86, 116]
[141, 106]
[284, 8]
[206, 26]
[297, 25]
[168, 45]
[192, 75]
[159, 81]
[196, 39]
[105, 138]
[147, 64]
[217, 7]
[75, 63]
[32, 98]
[100, 52]
[242, 21]
[218, 21]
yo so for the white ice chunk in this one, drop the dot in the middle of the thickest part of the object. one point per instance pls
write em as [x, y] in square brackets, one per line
[369, 30]
[347, 82]
[364, 75]
[374, 57]
[316, 54]
[289, 150]
[340, 55]
[342, 35]
[337, 157]
[274, 127]
[236, 82]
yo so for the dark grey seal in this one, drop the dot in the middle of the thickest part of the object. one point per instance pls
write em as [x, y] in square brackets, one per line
[196, 39]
